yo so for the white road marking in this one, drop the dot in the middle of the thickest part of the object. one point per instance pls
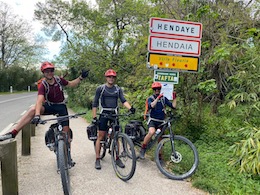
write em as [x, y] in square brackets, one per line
[16, 99]
[6, 129]
[23, 112]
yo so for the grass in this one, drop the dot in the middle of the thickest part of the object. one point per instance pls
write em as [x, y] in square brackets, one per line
[215, 176]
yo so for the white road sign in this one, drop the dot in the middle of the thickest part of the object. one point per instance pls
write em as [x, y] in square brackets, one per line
[176, 28]
[174, 45]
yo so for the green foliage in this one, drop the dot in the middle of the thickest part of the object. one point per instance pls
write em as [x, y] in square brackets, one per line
[19, 78]
[246, 153]
[207, 86]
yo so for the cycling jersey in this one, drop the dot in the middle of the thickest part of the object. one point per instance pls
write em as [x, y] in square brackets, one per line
[158, 111]
[55, 94]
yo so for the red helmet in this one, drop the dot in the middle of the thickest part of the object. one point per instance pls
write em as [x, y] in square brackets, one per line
[46, 65]
[156, 85]
[110, 72]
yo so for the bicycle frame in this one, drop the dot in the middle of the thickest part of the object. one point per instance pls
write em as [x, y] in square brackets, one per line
[120, 147]
[59, 134]
[114, 122]
[62, 149]
[166, 124]
[175, 155]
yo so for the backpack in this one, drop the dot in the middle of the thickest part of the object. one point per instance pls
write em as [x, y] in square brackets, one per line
[39, 82]
[147, 111]
[47, 87]
[103, 87]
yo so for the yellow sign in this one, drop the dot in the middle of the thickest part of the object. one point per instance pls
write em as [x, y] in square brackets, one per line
[161, 61]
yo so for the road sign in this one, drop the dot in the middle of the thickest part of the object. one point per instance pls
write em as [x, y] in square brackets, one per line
[163, 61]
[166, 76]
[174, 45]
[176, 28]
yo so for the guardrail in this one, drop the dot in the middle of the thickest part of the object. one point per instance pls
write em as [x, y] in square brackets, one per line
[8, 158]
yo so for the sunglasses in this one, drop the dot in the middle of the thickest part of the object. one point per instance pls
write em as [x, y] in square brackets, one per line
[48, 70]
[111, 77]
[158, 88]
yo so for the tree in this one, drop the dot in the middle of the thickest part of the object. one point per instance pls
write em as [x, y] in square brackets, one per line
[17, 46]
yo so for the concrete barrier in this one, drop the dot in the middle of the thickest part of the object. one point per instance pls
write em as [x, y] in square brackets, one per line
[26, 140]
[8, 158]
[32, 126]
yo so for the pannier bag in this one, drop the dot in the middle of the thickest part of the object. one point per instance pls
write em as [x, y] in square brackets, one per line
[135, 130]
[92, 132]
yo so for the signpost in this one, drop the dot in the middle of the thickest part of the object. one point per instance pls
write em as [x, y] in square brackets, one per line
[166, 76]
[163, 61]
[176, 28]
[174, 45]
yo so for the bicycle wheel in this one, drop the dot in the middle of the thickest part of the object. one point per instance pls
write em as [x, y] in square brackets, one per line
[123, 153]
[102, 149]
[63, 166]
[179, 166]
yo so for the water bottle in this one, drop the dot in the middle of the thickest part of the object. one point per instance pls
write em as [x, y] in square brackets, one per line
[109, 132]
[108, 136]
[158, 131]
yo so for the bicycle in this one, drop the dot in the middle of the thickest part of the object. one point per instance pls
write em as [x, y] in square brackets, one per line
[119, 146]
[176, 156]
[61, 146]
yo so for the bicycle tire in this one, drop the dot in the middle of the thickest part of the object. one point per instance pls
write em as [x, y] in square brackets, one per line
[181, 167]
[63, 166]
[121, 148]
[102, 149]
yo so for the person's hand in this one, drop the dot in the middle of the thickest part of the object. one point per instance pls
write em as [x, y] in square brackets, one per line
[84, 73]
[174, 95]
[161, 95]
[132, 110]
[95, 121]
[36, 119]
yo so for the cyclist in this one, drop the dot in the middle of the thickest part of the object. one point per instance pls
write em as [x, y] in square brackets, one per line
[50, 99]
[156, 105]
[106, 98]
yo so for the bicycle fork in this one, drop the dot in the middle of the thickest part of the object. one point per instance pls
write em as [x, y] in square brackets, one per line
[176, 157]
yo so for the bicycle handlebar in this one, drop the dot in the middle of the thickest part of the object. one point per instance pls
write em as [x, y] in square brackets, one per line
[61, 118]
[113, 116]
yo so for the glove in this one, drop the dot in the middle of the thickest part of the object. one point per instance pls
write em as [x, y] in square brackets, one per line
[161, 95]
[84, 73]
[36, 119]
[174, 95]
[132, 110]
[95, 121]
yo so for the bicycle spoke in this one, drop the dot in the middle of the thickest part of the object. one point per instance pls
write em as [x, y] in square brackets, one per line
[182, 163]
[123, 157]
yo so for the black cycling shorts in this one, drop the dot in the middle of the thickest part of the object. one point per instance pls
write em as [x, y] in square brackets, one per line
[154, 124]
[60, 109]
[103, 122]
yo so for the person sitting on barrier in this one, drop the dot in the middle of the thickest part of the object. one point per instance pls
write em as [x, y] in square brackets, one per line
[156, 105]
[106, 97]
[50, 100]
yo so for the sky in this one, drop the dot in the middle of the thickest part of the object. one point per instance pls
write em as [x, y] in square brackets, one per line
[25, 9]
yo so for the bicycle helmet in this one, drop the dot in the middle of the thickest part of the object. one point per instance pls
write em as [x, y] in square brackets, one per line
[156, 85]
[46, 65]
[110, 72]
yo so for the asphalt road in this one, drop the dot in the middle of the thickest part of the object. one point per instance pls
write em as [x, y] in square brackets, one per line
[13, 106]
[37, 172]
